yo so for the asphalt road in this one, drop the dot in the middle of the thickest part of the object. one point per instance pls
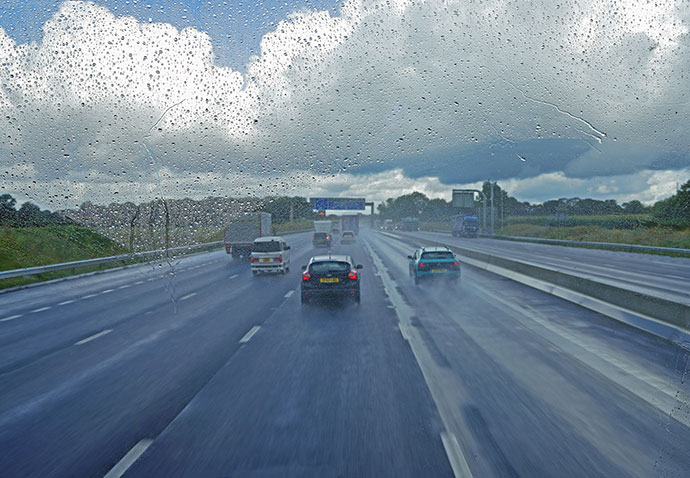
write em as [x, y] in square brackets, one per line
[204, 370]
[656, 275]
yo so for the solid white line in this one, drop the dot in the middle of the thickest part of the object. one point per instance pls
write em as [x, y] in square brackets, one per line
[248, 336]
[107, 291]
[185, 297]
[128, 460]
[40, 310]
[94, 336]
[67, 302]
[89, 296]
[289, 293]
[11, 317]
[455, 456]
[236, 275]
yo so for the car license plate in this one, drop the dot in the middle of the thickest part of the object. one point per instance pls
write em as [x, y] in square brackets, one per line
[266, 260]
[438, 270]
[330, 279]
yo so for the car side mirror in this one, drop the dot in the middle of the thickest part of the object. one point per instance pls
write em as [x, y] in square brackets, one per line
[410, 257]
[304, 268]
[358, 266]
[287, 248]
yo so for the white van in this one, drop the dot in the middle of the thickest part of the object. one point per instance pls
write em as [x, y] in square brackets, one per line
[270, 254]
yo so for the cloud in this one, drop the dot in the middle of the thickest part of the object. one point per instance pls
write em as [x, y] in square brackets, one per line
[437, 89]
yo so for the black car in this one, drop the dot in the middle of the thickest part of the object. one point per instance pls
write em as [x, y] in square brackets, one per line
[330, 277]
[321, 239]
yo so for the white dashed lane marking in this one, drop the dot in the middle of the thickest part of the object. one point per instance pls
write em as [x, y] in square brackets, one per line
[234, 276]
[185, 297]
[40, 310]
[128, 460]
[11, 317]
[248, 336]
[289, 293]
[94, 336]
[65, 302]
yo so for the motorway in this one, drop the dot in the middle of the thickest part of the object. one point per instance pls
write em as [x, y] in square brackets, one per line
[659, 276]
[196, 368]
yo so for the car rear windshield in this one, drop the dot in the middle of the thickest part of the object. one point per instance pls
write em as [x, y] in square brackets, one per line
[438, 255]
[272, 246]
[321, 234]
[330, 266]
[348, 234]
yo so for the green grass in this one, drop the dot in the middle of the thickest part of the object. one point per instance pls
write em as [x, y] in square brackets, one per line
[654, 236]
[37, 246]
[630, 221]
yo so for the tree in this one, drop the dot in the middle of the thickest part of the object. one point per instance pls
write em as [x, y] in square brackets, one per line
[634, 207]
[8, 214]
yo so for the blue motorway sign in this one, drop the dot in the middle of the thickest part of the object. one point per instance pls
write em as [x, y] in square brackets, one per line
[321, 204]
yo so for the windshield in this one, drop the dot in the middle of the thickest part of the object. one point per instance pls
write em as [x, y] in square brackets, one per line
[265, 246]
[184, 185]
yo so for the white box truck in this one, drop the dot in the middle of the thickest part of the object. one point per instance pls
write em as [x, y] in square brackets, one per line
[242, 230]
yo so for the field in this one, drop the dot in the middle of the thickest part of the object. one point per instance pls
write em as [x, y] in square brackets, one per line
[628, 229]
[35, 246]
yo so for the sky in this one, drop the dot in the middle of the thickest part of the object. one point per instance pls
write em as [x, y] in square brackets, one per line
[130, 100]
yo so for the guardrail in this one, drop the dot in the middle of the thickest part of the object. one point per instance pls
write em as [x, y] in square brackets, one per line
[103, 260]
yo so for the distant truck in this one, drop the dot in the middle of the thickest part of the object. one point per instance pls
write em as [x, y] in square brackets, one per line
[388, 224]
[350, 223]
[410, 224]
[242, 230]
[465, 226]
[323, 226]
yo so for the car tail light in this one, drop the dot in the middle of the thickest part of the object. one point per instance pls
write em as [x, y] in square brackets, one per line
[306, 275]
[278, 259]
[421, 264]
[352, 275]
[313, 237]
[253, 259]
[456, 263]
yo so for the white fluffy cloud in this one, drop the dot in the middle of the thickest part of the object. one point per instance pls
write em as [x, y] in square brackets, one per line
[144, 109]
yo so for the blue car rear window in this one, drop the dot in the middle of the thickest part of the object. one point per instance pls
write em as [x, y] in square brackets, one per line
[437, 255]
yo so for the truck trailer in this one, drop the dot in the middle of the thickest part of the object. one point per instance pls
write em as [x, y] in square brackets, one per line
[242, 230]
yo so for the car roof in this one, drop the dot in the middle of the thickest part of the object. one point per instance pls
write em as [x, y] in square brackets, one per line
[268, 239]
[331, 257]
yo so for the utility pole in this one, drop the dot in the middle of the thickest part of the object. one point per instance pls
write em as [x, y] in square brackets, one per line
[292, 212]
[492, 206]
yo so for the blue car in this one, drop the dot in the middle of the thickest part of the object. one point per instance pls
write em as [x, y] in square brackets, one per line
[428, 262]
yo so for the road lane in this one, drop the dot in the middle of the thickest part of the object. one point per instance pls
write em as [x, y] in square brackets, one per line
[237, 379]
[317, 391]
[78, 410]
[535, 401]
[653, 274]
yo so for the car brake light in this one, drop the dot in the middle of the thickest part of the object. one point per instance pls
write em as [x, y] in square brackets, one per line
[352, 275]
[456, 263]
[421, 264]
[253, 259]
[278, 259]
[306, 275]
